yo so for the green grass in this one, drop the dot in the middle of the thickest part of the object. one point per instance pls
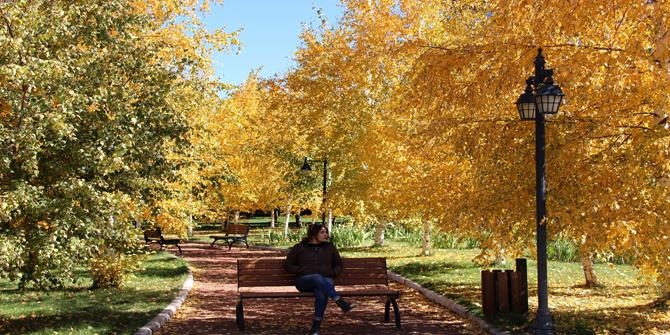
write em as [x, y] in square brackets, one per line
[624, 303]
[450, 272]
[79, 310]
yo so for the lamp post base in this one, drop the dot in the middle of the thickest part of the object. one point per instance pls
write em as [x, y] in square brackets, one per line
[543, 325]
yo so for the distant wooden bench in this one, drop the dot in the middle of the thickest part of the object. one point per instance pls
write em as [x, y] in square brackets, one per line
[266, 278]
[234, 233]
[155, 235]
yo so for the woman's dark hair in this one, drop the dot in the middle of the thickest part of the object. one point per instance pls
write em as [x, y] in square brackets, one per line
[313, 231]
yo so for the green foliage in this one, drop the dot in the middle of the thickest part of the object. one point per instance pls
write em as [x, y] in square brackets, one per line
[563, 250]
[346, 236]
[86, 128]
[11, 247]
[443, 240]
[439, 239]
[397, 232]
[276, 236]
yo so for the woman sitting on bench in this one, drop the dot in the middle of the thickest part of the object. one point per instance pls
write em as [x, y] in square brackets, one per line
[315, 262]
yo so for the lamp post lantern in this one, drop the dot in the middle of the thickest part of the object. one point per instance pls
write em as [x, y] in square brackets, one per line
[305, 168]
[541, 97]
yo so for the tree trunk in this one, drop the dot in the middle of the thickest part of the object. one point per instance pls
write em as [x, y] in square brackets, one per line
[330, 220]
[288, 216]
[379, 232]
[589, 272]
[273, 218]
[425, 247]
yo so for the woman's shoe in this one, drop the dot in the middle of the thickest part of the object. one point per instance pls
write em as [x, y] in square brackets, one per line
[345, 306]
[314, 330]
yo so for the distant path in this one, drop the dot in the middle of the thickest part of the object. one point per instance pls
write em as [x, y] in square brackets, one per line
[210, 306]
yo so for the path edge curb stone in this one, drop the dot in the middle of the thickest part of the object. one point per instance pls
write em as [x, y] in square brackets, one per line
[169, 311]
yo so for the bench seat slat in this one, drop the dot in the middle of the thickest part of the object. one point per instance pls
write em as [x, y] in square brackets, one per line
[297, 294]
[346, 278]
[289, 281]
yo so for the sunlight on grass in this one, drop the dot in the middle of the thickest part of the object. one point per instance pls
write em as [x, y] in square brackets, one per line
[79, 310]
[624, 304]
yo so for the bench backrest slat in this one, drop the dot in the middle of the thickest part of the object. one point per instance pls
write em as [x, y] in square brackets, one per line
[237, 229]
[270, 272]
[154, 233]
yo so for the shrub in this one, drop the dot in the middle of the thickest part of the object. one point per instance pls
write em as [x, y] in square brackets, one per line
[439, 239]
[563, 250]
[111, 269]
[275, 236]
[398, 232]
[350, 236]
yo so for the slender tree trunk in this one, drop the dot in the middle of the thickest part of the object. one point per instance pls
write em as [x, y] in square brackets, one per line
[273, 218]
[589, 272]
[426, 248]
[379, 232]
[288, 216]
[330, 220]
[298, 219]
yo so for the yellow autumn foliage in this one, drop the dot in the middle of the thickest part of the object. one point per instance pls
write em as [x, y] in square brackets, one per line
[412, 103]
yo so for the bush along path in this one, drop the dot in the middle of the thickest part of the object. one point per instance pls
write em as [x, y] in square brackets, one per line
[210, 306]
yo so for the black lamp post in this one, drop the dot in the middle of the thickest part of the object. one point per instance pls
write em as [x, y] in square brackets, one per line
[541, 97]
[305, 168]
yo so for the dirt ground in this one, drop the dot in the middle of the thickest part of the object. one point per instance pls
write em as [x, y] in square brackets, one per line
[210, 306]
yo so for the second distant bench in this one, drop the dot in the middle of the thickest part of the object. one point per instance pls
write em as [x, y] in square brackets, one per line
[234, 233]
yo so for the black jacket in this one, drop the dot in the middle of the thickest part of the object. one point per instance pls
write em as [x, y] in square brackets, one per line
[306, 258]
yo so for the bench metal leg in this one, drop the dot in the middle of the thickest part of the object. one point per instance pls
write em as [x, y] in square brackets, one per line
[168, 243]
[396, 313]
[387, 307]
[239, 315]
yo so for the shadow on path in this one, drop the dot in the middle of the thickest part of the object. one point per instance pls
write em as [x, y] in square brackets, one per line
[210, 306]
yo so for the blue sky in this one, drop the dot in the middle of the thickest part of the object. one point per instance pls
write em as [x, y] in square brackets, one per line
[270, 33]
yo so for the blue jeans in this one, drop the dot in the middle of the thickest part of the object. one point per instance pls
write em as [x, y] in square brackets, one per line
[323, 288]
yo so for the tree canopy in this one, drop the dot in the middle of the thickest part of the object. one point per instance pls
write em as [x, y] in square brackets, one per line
[93, 99]
[110, 113]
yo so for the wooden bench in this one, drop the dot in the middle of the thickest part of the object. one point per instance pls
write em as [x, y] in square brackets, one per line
[234, 233]
[155, 235]
[266, 278]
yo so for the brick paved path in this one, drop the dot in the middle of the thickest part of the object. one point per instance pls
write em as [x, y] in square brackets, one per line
[210, 306]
